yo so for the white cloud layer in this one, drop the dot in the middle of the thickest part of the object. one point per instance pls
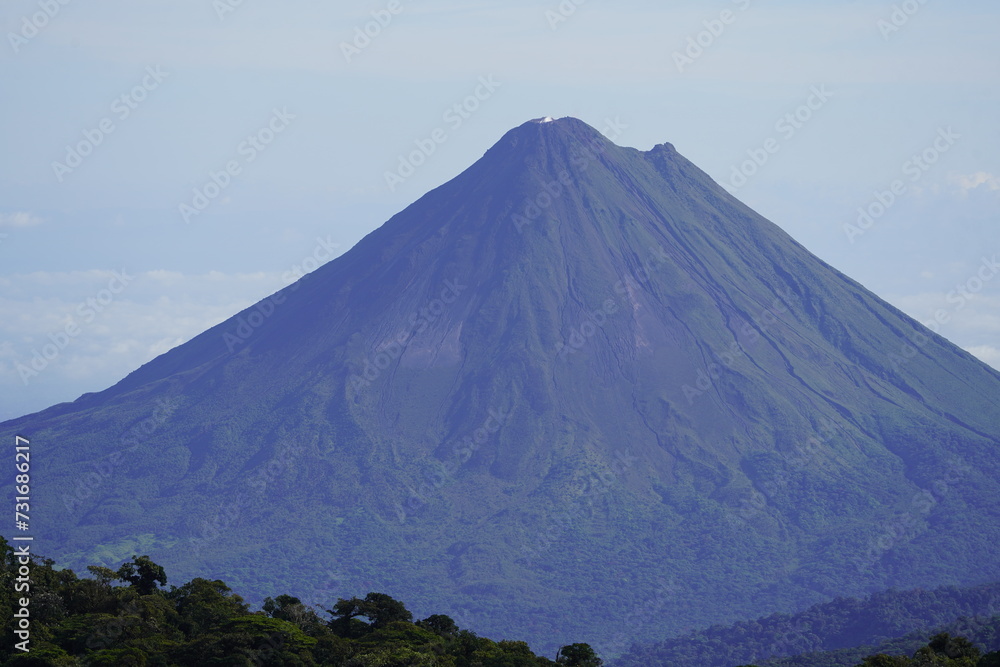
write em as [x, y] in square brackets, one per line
[972, 323]
[987, 353]
[95, 336]
[968, 182]
[19, 219]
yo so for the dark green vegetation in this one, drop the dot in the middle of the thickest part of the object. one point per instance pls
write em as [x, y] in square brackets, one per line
[578, 391]
[840, 633]
[943, 650]
[982, 632]
[98, 621]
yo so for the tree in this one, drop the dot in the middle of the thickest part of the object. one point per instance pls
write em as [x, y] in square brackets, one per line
[382, 610]
[883, 660]
[291, 609]
[257, 639]
[203, 605]
[578, 655]
[344, 622]
[143, 575]
[953, 647]
[378, 608]
[439, 624]
[943, 650]
[281, 606]
[103, 575]
[990, 660]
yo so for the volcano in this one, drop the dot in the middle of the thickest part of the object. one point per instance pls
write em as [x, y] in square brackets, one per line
[578, 393]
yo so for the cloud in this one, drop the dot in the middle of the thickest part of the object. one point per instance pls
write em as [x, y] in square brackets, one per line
[986, 353]
[969, 182]
[114, 330]
[147, 287]
[973, 324]
[19, 219]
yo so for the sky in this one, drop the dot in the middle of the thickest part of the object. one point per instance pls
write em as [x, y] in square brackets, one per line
[165, 164]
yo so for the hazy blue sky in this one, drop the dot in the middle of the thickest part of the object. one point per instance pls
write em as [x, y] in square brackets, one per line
[114, 112]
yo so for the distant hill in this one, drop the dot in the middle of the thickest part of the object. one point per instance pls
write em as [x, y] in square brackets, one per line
[984, 633]
[579, 390]
[840, 633]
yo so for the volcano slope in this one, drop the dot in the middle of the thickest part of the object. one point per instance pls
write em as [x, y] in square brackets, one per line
[578, 393]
